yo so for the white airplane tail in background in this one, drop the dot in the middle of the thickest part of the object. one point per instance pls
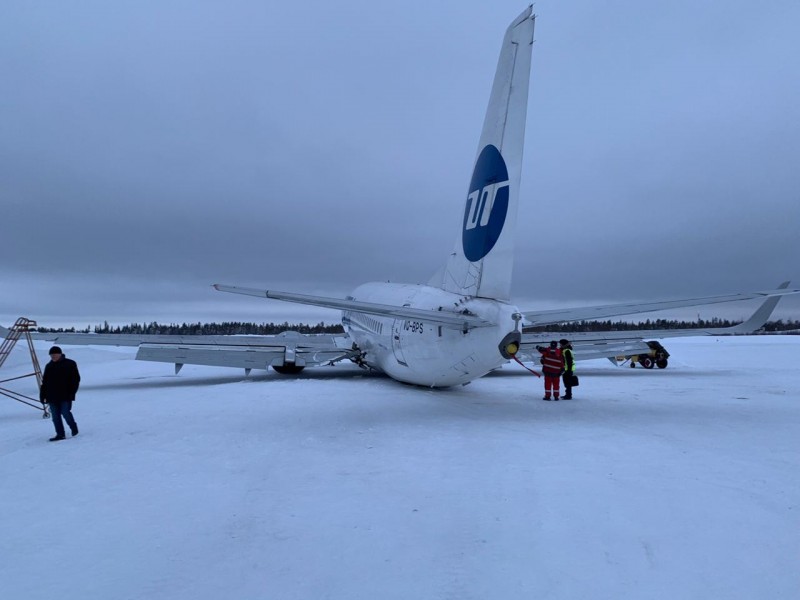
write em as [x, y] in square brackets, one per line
[482, 260]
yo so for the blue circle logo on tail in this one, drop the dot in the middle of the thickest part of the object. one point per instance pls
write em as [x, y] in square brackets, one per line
[487, 205]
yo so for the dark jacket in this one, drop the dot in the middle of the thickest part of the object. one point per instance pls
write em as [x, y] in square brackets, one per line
[60, 381]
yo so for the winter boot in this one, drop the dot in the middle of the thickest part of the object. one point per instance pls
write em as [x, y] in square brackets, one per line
[75, 431]
[57, 438]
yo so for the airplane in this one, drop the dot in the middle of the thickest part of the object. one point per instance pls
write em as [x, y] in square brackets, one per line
[460, 325]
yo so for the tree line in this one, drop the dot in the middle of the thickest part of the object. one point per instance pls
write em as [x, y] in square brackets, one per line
[244, 328]
[224, 328]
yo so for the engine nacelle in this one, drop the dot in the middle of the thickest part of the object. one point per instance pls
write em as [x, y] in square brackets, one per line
[287, 369]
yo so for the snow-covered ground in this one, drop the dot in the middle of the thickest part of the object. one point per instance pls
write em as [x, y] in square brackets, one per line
[682, 483]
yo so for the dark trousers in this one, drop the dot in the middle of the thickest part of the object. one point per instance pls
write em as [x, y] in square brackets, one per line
[63, 409]
[567, 377]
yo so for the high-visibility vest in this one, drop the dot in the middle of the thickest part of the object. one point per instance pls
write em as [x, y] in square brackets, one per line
[552, 361]
[569, 363]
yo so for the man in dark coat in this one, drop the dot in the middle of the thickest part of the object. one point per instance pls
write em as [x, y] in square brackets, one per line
[569, 367]
[59, 385]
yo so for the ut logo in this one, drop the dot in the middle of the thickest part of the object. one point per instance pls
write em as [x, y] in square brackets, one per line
[480, 203]
[487, 204]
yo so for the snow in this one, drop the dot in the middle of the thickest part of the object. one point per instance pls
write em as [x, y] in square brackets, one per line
[681, 483]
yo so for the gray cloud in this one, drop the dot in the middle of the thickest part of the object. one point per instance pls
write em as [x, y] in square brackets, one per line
[147, 151]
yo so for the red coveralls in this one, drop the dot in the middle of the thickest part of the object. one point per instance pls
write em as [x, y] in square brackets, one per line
[552, 366]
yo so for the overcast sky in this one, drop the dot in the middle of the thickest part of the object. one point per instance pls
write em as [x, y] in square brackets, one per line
[150, 149]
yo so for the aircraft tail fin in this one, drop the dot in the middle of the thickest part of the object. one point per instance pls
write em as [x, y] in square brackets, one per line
[482, 261]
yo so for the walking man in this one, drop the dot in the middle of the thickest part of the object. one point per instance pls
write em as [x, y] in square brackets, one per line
[552, 367]
[59, 385]
[569, 367]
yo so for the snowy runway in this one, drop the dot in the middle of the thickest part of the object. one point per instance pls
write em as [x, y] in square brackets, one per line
[682, 483]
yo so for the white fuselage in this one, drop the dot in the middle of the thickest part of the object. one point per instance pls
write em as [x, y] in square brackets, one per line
[424, 353]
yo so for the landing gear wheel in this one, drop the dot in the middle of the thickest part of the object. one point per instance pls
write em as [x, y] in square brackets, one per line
[661, 363]
[646, 362]
[288, 369]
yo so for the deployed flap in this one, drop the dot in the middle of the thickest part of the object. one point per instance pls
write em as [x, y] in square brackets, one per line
[547, 317]
[445, 319]
[242, 357]
[212, 356]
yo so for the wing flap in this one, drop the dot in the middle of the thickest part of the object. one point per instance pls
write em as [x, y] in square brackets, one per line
[211, 356]
[241, 357]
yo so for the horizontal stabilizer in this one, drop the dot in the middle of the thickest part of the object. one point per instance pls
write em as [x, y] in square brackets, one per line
[450, 320]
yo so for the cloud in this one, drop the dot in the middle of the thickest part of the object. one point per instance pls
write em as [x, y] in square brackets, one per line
[316, 147]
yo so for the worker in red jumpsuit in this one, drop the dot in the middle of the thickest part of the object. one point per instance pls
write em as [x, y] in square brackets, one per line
[552, 367]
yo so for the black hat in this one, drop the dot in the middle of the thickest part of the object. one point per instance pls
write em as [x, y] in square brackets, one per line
[563, 342]
[55, 350]
[554, 344]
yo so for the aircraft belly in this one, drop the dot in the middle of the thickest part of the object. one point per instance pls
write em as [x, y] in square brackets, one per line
[442, 360]
[423, 352]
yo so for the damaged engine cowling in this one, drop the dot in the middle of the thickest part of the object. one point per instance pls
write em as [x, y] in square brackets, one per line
[287, 369]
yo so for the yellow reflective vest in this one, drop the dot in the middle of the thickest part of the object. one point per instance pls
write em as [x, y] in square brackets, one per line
[569, 360]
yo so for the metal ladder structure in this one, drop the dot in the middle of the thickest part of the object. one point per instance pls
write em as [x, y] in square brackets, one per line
[22, 327]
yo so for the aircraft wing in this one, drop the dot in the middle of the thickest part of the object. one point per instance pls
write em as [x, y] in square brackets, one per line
[246, 351]
[447, 319]
[608, 344]
[585, 347]
[549, 317]
[297, 351]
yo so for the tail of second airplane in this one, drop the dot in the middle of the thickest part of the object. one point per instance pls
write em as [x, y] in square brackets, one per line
[482, 261]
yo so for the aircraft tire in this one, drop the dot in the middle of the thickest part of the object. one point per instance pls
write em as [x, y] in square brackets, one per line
[646, 362]
[661, 363]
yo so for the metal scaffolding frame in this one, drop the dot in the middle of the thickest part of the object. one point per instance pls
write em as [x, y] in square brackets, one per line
[22, 327]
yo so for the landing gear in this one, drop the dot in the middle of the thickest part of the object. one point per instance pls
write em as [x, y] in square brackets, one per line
[657, 357]
[360, 358]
